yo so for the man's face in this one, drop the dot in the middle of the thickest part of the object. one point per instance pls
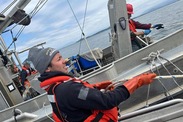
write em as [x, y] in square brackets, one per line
[27, 66]
[58, 63]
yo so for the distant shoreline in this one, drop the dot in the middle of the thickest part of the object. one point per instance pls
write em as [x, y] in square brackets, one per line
[146, 12]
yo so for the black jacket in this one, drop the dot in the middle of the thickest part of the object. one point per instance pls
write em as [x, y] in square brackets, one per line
[77, 108]
[24, 74]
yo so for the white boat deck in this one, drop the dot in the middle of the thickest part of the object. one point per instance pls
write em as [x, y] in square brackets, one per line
[170, 111]
[126, 67]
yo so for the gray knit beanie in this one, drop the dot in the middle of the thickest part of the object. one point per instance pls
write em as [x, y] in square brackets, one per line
[41, 58]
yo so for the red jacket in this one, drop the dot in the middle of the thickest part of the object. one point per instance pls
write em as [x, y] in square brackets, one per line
[133, 25]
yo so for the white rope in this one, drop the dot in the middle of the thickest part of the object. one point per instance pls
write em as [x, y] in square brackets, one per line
[83, 34]
[169, 73]
[168, 77]
[148, 92]
[117, 83]
[151, 59]
[154, 64]
[142, 40]
[46, 112]
[172, 64]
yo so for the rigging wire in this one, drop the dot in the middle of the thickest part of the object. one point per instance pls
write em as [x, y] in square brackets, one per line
[158, 57]
[75, 18]
[148, 93]
[83, 26]
[169, 73]
[151, 68]
[37, 8]
[83, 34]
[172, 64]
[33, 12]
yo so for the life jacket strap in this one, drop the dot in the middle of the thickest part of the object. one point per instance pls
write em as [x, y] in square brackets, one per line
[99, 116]
[51, 98]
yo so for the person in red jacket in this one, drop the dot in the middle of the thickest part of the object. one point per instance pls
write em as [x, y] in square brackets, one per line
[74, 100]
[133, 25]
[26, 71]
[26, 90]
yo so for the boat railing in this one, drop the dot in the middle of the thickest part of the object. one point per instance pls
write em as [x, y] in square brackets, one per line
[134, 59]
[107, 72]
[152, 108]
[28, 106]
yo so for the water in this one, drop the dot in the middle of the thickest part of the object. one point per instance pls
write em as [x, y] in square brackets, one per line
[171, 16]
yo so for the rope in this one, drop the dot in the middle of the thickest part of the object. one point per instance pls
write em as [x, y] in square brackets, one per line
[172, 64]
[142, 40]
[46, 112]
[151, 68]
[38, 6]
[83, 34]
[148, 92]
[83, 25]
[169, 73]
[151, 59]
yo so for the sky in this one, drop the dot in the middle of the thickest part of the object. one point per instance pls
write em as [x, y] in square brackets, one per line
[55, 23]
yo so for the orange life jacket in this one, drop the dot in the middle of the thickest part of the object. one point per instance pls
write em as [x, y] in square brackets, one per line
[132, 26]
[97, 115]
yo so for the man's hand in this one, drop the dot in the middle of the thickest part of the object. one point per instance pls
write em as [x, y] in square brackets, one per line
[138, 81]
[146, 32]
[158, 26]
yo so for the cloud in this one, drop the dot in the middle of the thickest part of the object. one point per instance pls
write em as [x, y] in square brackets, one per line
[56, 17]
[56, 25]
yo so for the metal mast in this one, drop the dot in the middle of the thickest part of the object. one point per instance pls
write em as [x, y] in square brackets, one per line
[121, 44]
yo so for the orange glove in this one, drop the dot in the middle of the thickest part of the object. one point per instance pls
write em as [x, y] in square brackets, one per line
[102, 85]
[138, 81]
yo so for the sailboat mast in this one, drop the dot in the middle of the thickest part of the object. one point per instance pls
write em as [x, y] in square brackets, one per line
[121, 44]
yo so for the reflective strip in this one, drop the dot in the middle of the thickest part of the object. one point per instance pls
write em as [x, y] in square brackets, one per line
[45, 87]
[83, 93]
[67, 80]
[51, 98]
[77, 80]
[73, 80]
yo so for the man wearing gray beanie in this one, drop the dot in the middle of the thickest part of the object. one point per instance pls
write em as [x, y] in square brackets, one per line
[41, 58]
[74, 100]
